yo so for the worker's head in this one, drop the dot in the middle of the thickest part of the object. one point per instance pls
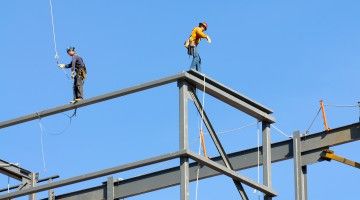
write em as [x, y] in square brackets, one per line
[71, 51]
[203, 25]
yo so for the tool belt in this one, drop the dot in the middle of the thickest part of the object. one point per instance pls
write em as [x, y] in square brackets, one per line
[190, 50]
[82, 72]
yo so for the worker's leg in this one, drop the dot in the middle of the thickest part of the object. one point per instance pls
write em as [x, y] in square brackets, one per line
[74, 88]
[78, 87]
[196, 60]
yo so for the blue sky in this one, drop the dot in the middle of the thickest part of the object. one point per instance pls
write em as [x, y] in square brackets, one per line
[286, 55]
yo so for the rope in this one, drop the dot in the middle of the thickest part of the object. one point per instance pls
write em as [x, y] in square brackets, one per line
[312, 122]
[43, 132]
[57, 58]
[70, 117]
[42, 143]
[201, 142]
[237, 129]
[8, 185]
[342, 106]
[280, 131]
[258, 156]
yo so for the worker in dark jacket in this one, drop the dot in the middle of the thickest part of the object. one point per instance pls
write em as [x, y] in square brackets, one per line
[191, 44]
[78, 73]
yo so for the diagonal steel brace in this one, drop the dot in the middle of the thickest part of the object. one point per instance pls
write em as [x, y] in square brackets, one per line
[217, 143]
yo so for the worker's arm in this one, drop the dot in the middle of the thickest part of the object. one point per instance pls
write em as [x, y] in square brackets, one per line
[200, 33]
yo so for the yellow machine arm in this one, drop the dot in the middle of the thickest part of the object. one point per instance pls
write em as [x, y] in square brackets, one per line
[329, 155]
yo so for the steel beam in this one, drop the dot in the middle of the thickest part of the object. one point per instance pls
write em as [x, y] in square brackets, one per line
[266, 148]
[215, 89]
[230, 98]
[298, 170]
[14, 171]
[217, 143]
[94, 175]
[210, 81]
[39, 181]
[93, 100]
[110, 188]
[232, 174]
[241, 160]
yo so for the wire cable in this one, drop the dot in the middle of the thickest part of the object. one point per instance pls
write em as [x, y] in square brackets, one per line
[42, 144]
[312, 122]
[201, 132]
[57, 57]
[280, 131]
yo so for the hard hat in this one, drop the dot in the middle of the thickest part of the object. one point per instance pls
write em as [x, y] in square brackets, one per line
[70, 49]
[204, 24]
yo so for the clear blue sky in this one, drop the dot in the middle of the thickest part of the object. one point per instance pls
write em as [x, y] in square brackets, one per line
[286, 55]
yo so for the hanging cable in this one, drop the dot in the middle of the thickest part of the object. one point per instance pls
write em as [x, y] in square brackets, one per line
[312, 122]
[280, 131]
[42, 143]
[237, 129]
[57, 57]
[258, 157]
[201, 136]
[8, 185]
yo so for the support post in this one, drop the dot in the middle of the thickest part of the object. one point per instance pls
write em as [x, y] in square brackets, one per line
[110, 188]
[266, 148]
[300, 172]
[32, 183]
[51, 192]
[184, 143]
[304, 182]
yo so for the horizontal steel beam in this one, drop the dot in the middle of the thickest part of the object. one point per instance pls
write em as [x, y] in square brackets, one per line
[232, 98]
[210, 81]
[93, 100]
[38, 181]
[312, 146]
[232, 174]
[14, 171]
[215, 89]
[94, 175]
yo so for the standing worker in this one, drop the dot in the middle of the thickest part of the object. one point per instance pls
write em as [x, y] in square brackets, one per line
[191, 44]
[78, 73]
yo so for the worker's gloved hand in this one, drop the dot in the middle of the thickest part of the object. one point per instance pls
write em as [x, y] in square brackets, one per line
[208, 39]
[73, 74]
[62, 66]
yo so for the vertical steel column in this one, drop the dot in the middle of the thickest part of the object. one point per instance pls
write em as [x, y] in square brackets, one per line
[266, 152]
[51, 192]
[299, 171]
[110, 188]
[32, 183]
[304, 182]
[184, 143]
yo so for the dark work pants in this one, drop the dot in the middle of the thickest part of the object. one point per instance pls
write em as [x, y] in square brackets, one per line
[78, 87]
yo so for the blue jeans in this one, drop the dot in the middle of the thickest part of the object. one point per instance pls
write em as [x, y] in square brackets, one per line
[196, 62]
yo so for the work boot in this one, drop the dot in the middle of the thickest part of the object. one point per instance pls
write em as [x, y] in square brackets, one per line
[75, 100]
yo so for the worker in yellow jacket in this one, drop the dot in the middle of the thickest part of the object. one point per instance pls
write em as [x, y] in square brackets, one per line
[191, 44]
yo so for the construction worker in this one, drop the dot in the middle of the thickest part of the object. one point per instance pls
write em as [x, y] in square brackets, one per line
[191, 44]
[78, 73]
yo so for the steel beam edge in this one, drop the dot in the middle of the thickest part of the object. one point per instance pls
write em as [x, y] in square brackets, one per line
[94, 175]
[230, 99]
[232, 174]
[241, 160]
[14, 171]
[93, 100]
[244, 98]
